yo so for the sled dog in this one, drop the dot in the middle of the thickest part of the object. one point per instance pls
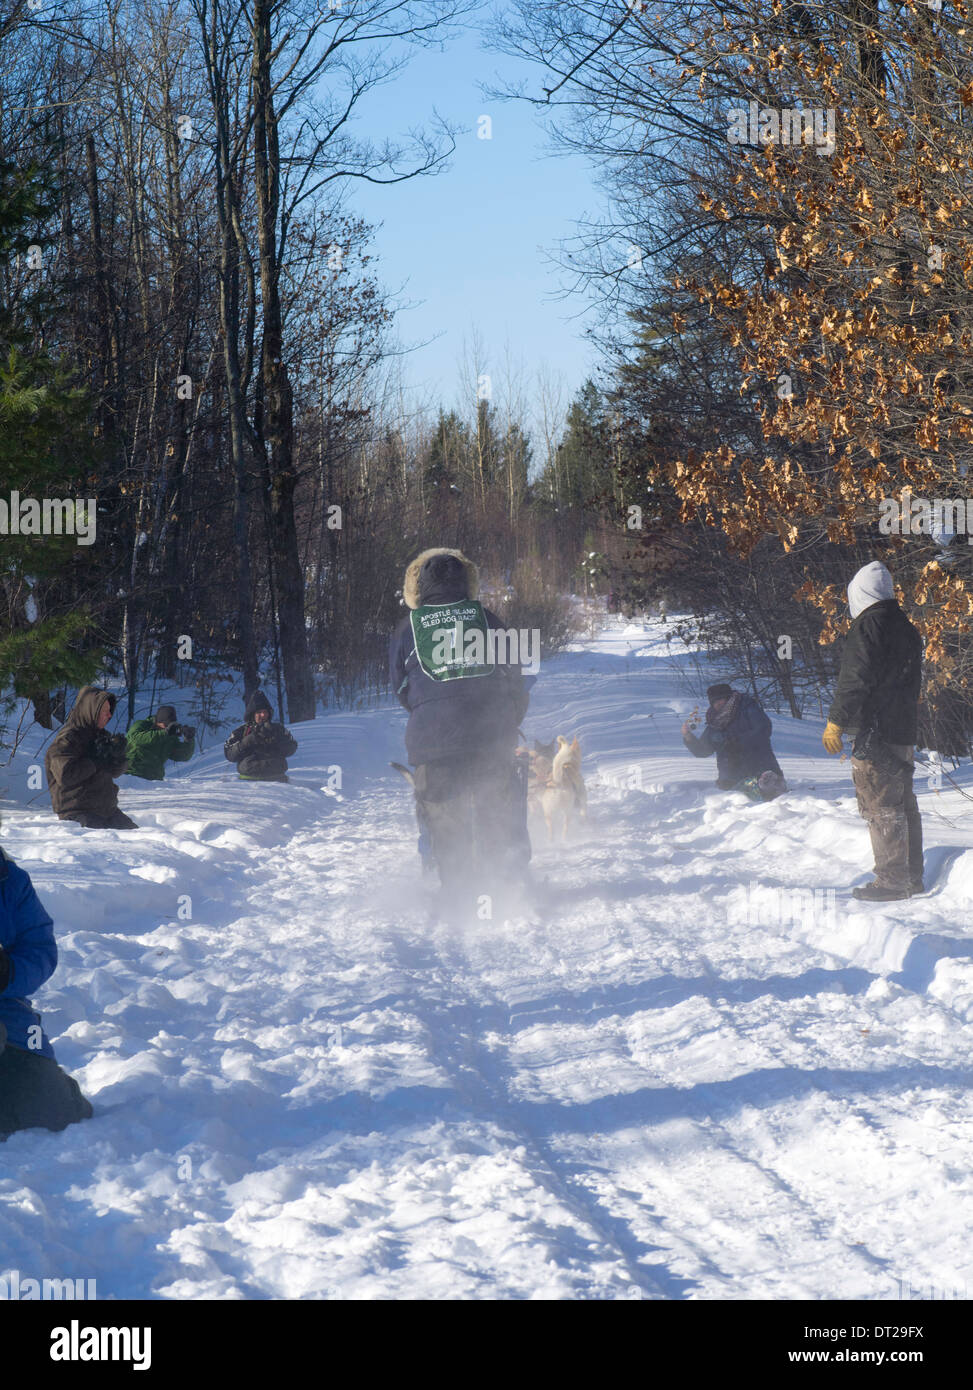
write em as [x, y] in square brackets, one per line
[406, 773]
[556, 787]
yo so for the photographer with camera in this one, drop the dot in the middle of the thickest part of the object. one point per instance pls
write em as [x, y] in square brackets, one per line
[154, 742]
[83, 761]
[737, 730]
[260, 748]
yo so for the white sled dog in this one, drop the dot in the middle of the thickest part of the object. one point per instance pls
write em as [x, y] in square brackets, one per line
[556, 787]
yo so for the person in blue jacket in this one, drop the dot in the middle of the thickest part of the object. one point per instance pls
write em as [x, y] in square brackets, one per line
[461, 737]
[738, 731]
[34, 1091]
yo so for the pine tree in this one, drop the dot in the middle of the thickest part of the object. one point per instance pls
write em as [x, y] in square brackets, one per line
[581, 469]
[447, 453]
[516, 464]
[43, 443]
[486, 449]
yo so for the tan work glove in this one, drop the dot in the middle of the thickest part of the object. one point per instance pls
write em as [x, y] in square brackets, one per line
[831, 738]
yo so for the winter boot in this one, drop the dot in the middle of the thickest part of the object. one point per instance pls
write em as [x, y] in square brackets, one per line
[877, 893]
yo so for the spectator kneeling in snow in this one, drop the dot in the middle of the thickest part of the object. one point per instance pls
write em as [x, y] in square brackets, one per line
[34, 1091]
[738, 732]
[152, 742]
[83, 761]
[260, 748]
[877, 696]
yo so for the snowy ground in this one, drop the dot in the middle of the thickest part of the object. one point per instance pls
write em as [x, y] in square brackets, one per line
[700, 1078]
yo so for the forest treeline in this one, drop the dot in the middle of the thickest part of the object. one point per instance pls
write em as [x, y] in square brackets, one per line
[192, 334]
[785, 281]
[192, 331]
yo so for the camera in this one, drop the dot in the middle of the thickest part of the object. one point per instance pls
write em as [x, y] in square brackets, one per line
[110, 749]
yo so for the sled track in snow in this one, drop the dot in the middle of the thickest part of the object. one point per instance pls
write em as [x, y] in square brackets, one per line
[434, 963]
[440, 962]
[456, 1001]
[473, 992]
[480, 1082]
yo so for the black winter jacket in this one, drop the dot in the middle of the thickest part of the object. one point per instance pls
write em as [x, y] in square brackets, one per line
[881, 672]
[260, 751]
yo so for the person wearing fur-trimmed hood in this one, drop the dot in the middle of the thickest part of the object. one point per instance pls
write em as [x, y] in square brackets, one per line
[462, 731]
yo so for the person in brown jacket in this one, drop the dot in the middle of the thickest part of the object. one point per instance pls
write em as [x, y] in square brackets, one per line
[83, 762]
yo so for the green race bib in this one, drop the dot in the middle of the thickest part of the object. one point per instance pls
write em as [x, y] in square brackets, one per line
[452, 640]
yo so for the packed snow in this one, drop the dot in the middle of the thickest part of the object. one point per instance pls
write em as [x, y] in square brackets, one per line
[701, 1075]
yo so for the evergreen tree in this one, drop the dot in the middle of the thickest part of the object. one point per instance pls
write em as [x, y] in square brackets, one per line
[516, 463]
[42, 445]
[581, 470]
[487, 450]
[446, 457]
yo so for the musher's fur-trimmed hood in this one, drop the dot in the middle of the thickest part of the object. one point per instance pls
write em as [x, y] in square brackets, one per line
[410, 584]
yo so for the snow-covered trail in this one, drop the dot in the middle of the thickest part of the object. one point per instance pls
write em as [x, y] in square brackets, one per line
[310, 1089]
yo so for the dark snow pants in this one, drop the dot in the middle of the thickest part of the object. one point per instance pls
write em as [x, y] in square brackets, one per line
[473, 811]
[888, 803]
[36, 1094]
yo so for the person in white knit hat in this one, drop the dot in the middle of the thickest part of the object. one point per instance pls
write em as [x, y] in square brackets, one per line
[877, 699]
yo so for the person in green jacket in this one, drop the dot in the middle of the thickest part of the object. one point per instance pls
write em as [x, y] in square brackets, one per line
[152, 742]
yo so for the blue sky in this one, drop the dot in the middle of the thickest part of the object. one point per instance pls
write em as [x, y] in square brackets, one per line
[472, 246]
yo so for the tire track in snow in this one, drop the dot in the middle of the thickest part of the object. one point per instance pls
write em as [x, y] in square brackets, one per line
[611, 1205]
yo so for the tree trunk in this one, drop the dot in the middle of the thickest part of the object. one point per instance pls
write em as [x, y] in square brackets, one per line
[41, 700]
[231, 329]
[278, 402]
[108, 351]
[241, 516]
